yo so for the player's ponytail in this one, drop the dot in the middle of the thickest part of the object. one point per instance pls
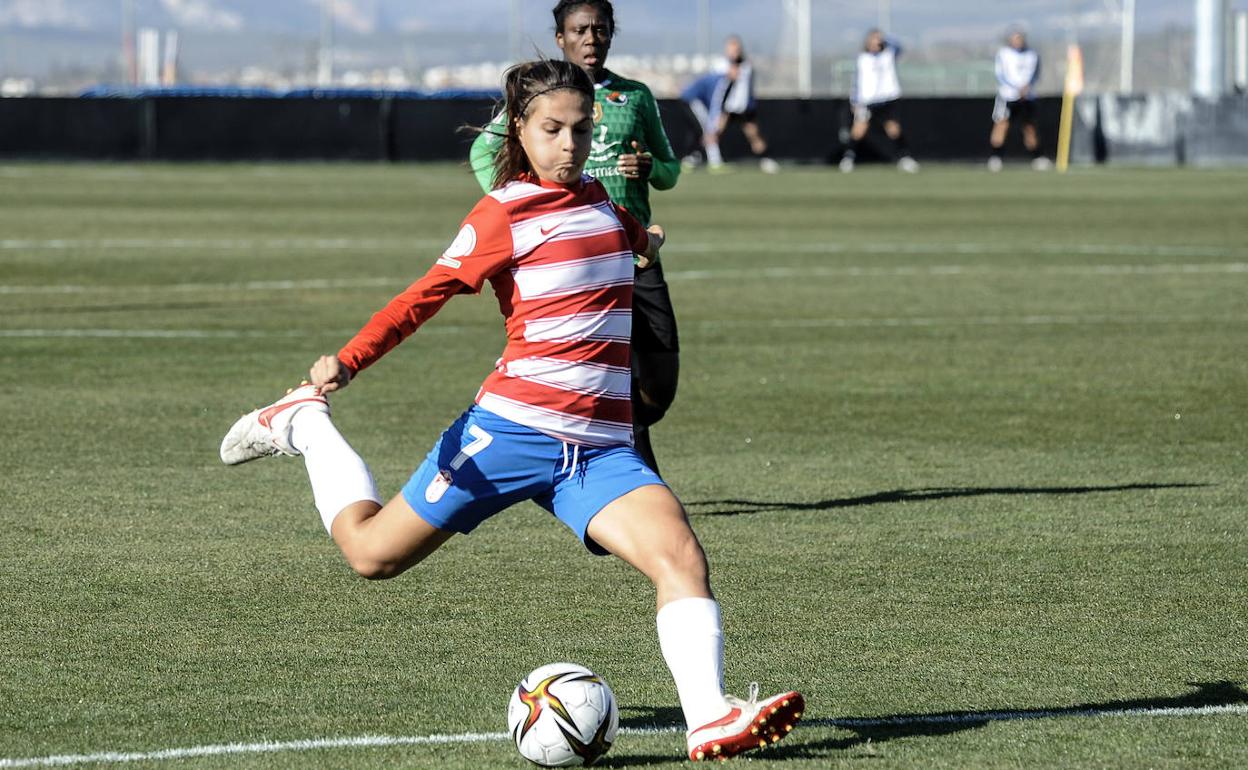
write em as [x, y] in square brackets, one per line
[522, 84]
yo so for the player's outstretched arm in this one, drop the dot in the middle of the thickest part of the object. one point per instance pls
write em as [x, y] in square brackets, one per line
[329, 374]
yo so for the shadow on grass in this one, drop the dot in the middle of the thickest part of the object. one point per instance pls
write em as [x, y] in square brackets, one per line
[881, 729]
[740, 507]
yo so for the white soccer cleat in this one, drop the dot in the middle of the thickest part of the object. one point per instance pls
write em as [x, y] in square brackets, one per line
[749, 724]
[847, 164]
[769, 166]
[1041, 163]
[994, 164]
[908, 165]
[265, 432]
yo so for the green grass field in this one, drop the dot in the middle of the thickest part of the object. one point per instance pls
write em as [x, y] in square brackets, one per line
[956, 444]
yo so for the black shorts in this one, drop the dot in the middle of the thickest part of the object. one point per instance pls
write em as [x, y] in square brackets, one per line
[749, 116]
[654, 321]
[882, 111]
[1022, 110]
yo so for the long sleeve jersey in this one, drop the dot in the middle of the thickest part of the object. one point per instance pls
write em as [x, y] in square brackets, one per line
[1015, 70]
[875, 80]
[560, 260]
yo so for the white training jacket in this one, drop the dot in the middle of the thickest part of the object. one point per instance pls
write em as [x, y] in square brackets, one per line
[1016, 69]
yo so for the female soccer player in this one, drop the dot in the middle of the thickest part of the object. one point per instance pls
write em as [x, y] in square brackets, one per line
[1018, 69]
[875, 97]
[630, 153]
[552, 423]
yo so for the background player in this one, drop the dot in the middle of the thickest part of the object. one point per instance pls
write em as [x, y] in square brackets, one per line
[559, 256]
[1018, 69]
[733, 103]
[630, 153]
[875, 98]
[705, 97]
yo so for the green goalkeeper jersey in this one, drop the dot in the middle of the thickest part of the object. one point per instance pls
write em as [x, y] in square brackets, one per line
[624, 112]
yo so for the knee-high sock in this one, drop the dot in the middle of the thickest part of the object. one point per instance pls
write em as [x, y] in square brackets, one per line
[339, 476]
[693, 646]
[902, 148]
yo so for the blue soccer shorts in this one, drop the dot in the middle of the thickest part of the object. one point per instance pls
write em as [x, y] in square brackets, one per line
[484, 463]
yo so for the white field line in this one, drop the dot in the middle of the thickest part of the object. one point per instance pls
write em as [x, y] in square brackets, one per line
[311, 284]
[775, 272]
[676, 247]
[792, 323]
[375, 741]
[213, 334]
[213, 244]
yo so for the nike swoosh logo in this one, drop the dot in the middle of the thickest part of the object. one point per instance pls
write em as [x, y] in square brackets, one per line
[548, 230]
[266, 417]
[733, 714]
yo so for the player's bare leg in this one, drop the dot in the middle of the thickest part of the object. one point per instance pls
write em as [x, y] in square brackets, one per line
[892, 129]
[758, 146]
[857, 132]
[378, 541]
[382, 542]
[1000, 130]
[648, 529]
[1031, 140]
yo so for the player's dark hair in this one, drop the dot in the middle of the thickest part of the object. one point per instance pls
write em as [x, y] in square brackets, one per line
[564, 7]
[522, 84]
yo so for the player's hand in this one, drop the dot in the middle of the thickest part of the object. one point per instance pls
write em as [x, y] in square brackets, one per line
[636, 165]
[329, 374]
[657, 238]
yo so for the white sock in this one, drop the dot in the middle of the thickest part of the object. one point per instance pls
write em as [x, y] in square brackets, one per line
[339, 476]
[693, 646]
[712, 155]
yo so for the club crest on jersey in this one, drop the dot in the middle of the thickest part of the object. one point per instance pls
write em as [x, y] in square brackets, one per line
[617, 98]
[462, 246]
[597, 113]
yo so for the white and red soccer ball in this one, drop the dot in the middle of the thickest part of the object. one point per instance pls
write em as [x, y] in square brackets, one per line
[561, 715]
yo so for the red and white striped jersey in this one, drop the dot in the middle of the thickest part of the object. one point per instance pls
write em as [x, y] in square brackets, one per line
[560, 260]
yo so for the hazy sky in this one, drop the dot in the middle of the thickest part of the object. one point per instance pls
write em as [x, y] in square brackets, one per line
[38, 35]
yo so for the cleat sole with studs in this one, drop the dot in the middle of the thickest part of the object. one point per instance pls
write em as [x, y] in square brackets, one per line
[774, 721]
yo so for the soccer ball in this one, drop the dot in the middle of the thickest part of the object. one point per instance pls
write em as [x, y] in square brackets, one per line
[562, 714]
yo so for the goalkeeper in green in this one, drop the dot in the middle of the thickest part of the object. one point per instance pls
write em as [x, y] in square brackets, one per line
[630, 152]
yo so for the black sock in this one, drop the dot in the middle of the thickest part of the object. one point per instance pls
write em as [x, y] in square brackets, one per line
[903, 149]
[996, 153]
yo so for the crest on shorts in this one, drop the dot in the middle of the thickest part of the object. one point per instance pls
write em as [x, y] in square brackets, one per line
[617, 98]
[438, 486]
[597, 113]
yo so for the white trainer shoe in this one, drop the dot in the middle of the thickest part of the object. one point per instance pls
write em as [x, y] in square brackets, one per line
[749, 724]
[847, 164]
[994, 164]
[908, 165]
[265, 432]
[1041, 163]
[769, 166]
